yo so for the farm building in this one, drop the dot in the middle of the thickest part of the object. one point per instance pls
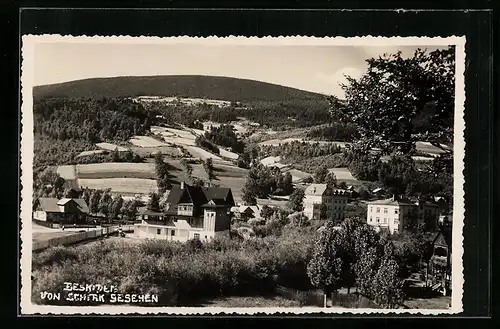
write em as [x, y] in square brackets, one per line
[247, 212]
[192, 213]
[57, 211]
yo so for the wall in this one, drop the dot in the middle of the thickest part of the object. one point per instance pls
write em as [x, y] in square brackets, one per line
[79, 237]
[40, 215]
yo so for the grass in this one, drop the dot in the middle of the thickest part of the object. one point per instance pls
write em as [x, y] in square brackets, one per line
[149, 151]
[198, 152]
[67, 172]
[116, 170]
[145, 141]
[121, 185]
[342, 174]
[250, 301]
[441, 302]
[111, 147]
[45, 236]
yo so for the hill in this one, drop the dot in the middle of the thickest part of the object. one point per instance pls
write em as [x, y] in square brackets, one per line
[192, 86]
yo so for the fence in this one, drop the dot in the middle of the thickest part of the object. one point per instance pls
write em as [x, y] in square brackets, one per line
[304, 298]
[79, 237]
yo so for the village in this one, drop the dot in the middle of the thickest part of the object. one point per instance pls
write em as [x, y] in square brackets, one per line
[209, 191]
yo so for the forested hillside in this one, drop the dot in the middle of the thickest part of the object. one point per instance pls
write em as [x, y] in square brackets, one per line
[195, 86]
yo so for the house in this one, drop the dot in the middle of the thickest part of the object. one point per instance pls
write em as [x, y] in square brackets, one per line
[247, 212]
[322, 196]
[63, 210]
[397, 214]
[192, 213]
[439, 269]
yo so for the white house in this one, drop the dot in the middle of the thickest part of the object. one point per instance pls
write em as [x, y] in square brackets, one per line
[318, 195]
[395, 214]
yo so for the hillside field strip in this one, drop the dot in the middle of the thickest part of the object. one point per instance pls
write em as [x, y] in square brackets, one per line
[228, 154]
[116, 170]
[121, 185]
[225, 170]
[342, 174]
[67, 172]
[297, 175]
[86, 153]
[278, 142]
[111, 147]
[146, 141]
[198, 152]
[150, 151]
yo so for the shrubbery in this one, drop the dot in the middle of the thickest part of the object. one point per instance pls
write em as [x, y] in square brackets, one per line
[179, 273]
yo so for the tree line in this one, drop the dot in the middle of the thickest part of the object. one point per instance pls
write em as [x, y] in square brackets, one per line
[263, 181]
[224, 135]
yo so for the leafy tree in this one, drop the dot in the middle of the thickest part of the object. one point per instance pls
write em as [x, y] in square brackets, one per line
[162, 174]
[363, 193]
[388, 286]
[248, 196]
[400, 100]
[266, 212]
[297, 200]
[105, 202]
[325, 267]
[320, 175]
[331, 179]
[116, 206]
[323, 212]
[95, 199]
[71, 193]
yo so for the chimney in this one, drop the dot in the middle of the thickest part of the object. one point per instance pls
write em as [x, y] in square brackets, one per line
[182, 185]
[394, 197]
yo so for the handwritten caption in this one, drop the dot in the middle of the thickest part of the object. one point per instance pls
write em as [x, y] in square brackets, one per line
[98, 293]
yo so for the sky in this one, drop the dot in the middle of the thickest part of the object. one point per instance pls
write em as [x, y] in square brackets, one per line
[312, 68]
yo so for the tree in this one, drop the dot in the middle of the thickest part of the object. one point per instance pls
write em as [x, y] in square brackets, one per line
[331, 179]
[400, 100]
[325, 267]
[248, 196]
[363, 193]
[162, 174]
[320, 175]
[154, 202]
[347, 249]
[95, 198]
[116, 206]
[297, 200]
[105, 202]
[323, 212]
[209, 168]
[266, 212]
[387, 285]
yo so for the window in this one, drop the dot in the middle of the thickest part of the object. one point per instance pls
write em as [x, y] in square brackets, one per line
[378, 209]
[385, 210]
[196, 236]
[173, 233]
[396, 211]
[158, 231]
[371, 219]
[385, 220]
[378, 219]
[206, 237]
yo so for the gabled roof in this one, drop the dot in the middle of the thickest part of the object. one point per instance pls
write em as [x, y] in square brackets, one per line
[82, 205]
[316, 189]
[391, 202]
[443, 238]
[48, 204]
[200, 196]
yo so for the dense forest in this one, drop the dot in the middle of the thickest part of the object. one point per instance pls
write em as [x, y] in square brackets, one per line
[65, 127]
[193, 86]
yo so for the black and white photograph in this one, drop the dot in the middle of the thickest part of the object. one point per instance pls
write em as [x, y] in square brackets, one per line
[242, 175]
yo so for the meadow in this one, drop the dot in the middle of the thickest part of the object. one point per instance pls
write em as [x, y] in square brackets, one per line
[116, 170]
[121, 185]
[111, 147]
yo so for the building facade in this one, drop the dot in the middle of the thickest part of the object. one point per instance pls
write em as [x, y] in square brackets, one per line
[66, 210]
[192, 213]
[320, 198]
[396, 215]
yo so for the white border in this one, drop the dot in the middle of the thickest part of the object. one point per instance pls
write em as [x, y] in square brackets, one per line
[27, 70]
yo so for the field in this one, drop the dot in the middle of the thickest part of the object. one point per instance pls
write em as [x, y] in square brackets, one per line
[67, 172]
[198, 152]
[145, 141]
[298, 175]
[45, 236]
[229, 171]
[426, 147]
[116, 170]
[278, 142]
[150, 151]
[228, 154]
[111, 147]
[342, 174]
[121, 185]
[85, 153]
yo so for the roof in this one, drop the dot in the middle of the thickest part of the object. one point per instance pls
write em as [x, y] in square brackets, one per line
[215, 203]
[49, 204]
[378, 189]
[52, 204]
[443, 238]
[200, 196]
[391, 202]
[315, 189]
